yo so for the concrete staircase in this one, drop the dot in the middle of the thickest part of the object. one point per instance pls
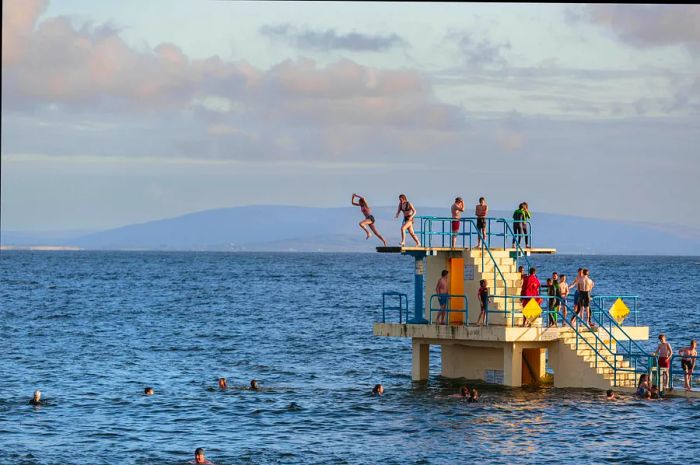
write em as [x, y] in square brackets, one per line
[502, 261]
[583, 361]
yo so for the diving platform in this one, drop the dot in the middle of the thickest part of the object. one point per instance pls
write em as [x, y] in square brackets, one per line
[524, 338]
[410, 249]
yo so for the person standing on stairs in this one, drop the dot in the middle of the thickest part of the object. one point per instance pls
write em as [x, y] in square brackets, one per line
[564, 293]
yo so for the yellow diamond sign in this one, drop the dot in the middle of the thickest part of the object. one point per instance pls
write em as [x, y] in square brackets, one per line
[619, 310]
[532, 310]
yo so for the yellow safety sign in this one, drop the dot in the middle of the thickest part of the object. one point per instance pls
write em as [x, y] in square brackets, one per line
[532, 310]
[619, 310]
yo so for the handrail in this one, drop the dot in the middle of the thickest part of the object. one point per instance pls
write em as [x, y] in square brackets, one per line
[599, 301]
[448, 310]
[682, 371]
[518, 250]
[427, 231]
[401, 307]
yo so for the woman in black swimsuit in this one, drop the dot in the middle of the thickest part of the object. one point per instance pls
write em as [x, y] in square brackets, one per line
[369, 218]
[408, 213]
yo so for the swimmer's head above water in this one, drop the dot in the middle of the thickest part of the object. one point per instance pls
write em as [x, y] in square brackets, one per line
[378, 389]
[222, 383]
[464, 392]
[148, 391]
[199, 456]
[254, 385]
[36, 399]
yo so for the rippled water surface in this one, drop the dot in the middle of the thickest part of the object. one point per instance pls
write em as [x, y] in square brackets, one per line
[92, 329]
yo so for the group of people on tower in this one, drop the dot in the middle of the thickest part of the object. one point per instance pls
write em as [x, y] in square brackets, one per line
[521, 217]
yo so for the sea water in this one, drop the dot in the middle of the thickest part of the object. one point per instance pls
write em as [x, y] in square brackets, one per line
[92, 329]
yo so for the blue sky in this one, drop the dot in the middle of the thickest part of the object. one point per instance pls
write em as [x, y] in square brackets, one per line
[123, 112]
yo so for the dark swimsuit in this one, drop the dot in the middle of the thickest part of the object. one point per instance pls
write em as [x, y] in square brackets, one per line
[371, 218]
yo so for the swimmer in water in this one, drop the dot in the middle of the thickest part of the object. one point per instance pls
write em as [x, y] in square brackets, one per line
[200, 458]
[223, 385]
[36, 400]
[464, 392]
[254, 386]
[378, 390]
[610, 394]
[148, 391]
[473, 396]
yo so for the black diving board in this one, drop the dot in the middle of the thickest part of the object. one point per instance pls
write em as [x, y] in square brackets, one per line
[399, 249]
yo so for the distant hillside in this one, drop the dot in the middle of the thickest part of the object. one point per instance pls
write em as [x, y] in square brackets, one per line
[285, 228]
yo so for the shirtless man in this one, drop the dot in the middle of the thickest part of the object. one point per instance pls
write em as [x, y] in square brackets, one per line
[408, 213]
[457, 210]
[369, 218]
[481, 211]
[688, 355]
[442, 291]
[36, 399]
[664, 352]
[585, 285]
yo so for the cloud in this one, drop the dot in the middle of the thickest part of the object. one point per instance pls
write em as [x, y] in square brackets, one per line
[17, 22]
[478, 53]
[329, 39]
[646, 26]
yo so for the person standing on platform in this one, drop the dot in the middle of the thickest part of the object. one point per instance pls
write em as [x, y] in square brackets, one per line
[526, 218]
[664, 351]
[483, 293]
[408, 213]
[442, 290]
[518, 216]
[457, 210]
[688, 357]
[564, 292]
[482, 210]
[585, 286]
[369, 218]
[574, 285]
[531, 288]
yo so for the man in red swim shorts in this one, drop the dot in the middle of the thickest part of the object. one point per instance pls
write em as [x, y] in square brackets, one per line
[664, 352]
[457, 210]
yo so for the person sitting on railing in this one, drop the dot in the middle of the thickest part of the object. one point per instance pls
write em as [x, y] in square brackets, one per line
[369, 218]
[483, 294]
[408, 213]
[688, 355]
[442, 290]
[531, 288]
[481, 211]
[664, 351]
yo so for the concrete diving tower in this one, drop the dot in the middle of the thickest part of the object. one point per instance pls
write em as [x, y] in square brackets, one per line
[503, 351]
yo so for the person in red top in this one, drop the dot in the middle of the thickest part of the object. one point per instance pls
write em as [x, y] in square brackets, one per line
[531, 287]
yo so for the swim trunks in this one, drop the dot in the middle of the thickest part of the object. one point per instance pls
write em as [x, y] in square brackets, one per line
[687, 365]
[455, 226]
[480, 223]
[442, 299]
[664, 362]
[406, 219]
[584, 299]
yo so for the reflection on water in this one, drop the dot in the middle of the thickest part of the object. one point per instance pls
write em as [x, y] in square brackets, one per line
[92, 329]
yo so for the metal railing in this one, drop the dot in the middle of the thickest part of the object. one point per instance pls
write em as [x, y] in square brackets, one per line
[599, 303]
[441, 227]
[401, 305]
[448, 304]
[680, 370]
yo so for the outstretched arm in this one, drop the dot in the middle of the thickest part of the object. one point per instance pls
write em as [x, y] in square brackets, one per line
[357, 204]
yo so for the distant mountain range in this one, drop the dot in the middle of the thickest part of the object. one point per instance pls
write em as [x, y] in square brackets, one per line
[305, 229]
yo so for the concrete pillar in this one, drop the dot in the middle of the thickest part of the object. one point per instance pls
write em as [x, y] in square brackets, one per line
[421, 361]
[512, 365]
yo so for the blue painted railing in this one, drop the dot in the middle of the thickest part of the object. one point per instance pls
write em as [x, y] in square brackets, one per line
[441, 227]
[393, 304]
[678, 370]
[600, 305]
[436, 298]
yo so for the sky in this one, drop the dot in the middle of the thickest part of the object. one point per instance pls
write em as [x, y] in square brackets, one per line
[122, 112]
